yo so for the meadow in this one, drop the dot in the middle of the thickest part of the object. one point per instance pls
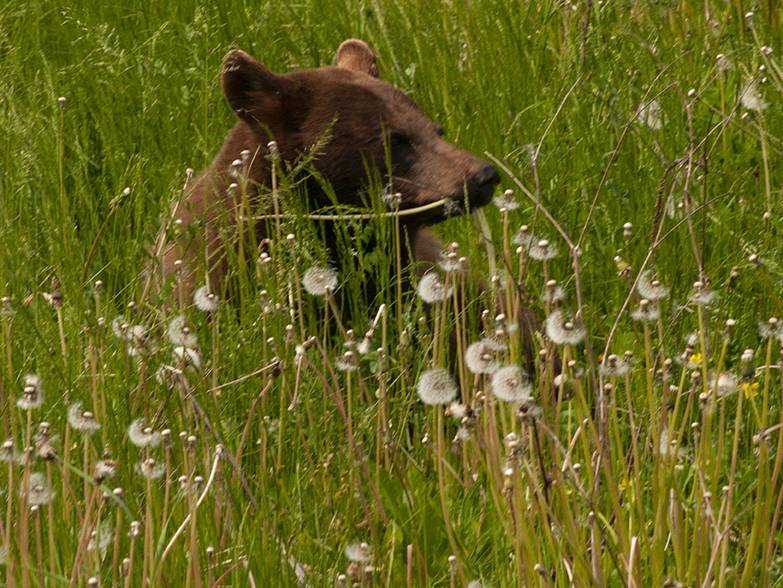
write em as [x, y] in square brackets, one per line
[249, 441]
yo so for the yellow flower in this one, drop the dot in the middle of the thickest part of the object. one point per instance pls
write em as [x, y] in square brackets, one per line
[624, 484]
[696, 359]
[750, 390]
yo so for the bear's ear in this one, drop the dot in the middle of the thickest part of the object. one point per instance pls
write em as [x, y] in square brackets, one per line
[252, 91]
[357, 56]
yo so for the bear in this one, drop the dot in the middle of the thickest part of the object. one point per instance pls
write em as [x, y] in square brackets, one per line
[361, 124]
[362, 117]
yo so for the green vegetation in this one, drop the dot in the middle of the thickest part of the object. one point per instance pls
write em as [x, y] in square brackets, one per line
[656, 462]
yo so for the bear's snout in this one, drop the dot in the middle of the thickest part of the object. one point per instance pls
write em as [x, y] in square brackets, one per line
[482, 185]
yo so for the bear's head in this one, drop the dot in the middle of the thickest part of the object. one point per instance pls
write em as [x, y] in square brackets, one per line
[363, 119]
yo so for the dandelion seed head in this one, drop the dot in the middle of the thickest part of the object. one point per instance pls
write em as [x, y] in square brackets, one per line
[106, 469]
[187, 357]
[206, 301]
[650, 289]
[318, 280]
[142, 436]
[751, 97]
[543, 250]
[562, 331]
[82, 421]
[457, 410]
[358, 552]
[612, 367]
[38, 493]
[724, 385]
[553, 293]
[180, 334]
[702, 294]
[511, 384]
[506, 200]
[347, 363]
[646, 312]
[431, 289]
[436, 387]
[101, 538]
[149, 468]
[32, 393]
[480, 359]
[523, 237]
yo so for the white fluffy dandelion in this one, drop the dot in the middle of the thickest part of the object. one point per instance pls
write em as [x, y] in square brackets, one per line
[480, 358]
[142, 436]
[205, 301]
[436, 387]
[646, 312]
[562, 331]
[651, 289]
[32, 393]
[180, 334]
[542, 250]
[317, 281]
[358, 552]
[82, 421]
[511, 384]
[431, 289]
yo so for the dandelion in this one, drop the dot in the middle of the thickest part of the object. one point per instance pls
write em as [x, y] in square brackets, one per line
[724, 384]
[750, 390]
[702, 294]
[543, 250]
[528, 409]
[347, 363]
[480, 359]
[101, 538]
[751, 97]
[615, 367]
[652, 116]
[38, 490]
[522, 237]
[667, 448]
[723, 63]
[553, 293]
[770, 329]
[651, 289]
[431, 289]
[106, 469]
[358, 552]
[149, 468]
[511, 384]
[450, 262]
[561, 331]
[32, 394]
[180, 334]
[506, 200]
[646, 312]
[119, 326]
[82, 421]
[457, 411]
[142, 436]
[44, 449]
[436, 387]
[205, 301]
[317, 281]
[187, 357]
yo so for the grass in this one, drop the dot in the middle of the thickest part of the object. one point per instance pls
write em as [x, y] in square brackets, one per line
[633, 131]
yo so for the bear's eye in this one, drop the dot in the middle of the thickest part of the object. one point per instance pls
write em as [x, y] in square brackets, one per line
[399, 140]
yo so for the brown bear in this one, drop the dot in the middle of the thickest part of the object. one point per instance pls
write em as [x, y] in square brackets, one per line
[361, 119]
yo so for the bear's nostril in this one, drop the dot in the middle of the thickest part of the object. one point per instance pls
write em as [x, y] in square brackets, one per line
[488, 176]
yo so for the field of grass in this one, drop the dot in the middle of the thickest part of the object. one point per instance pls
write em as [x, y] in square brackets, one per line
[244, 448]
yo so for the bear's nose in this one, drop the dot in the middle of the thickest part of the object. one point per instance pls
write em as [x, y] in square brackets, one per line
[488, 176]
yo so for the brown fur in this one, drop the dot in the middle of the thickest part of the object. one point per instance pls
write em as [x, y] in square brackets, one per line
[296, 110]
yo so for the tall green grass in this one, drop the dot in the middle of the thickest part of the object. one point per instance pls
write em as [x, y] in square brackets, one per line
[655, 475]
